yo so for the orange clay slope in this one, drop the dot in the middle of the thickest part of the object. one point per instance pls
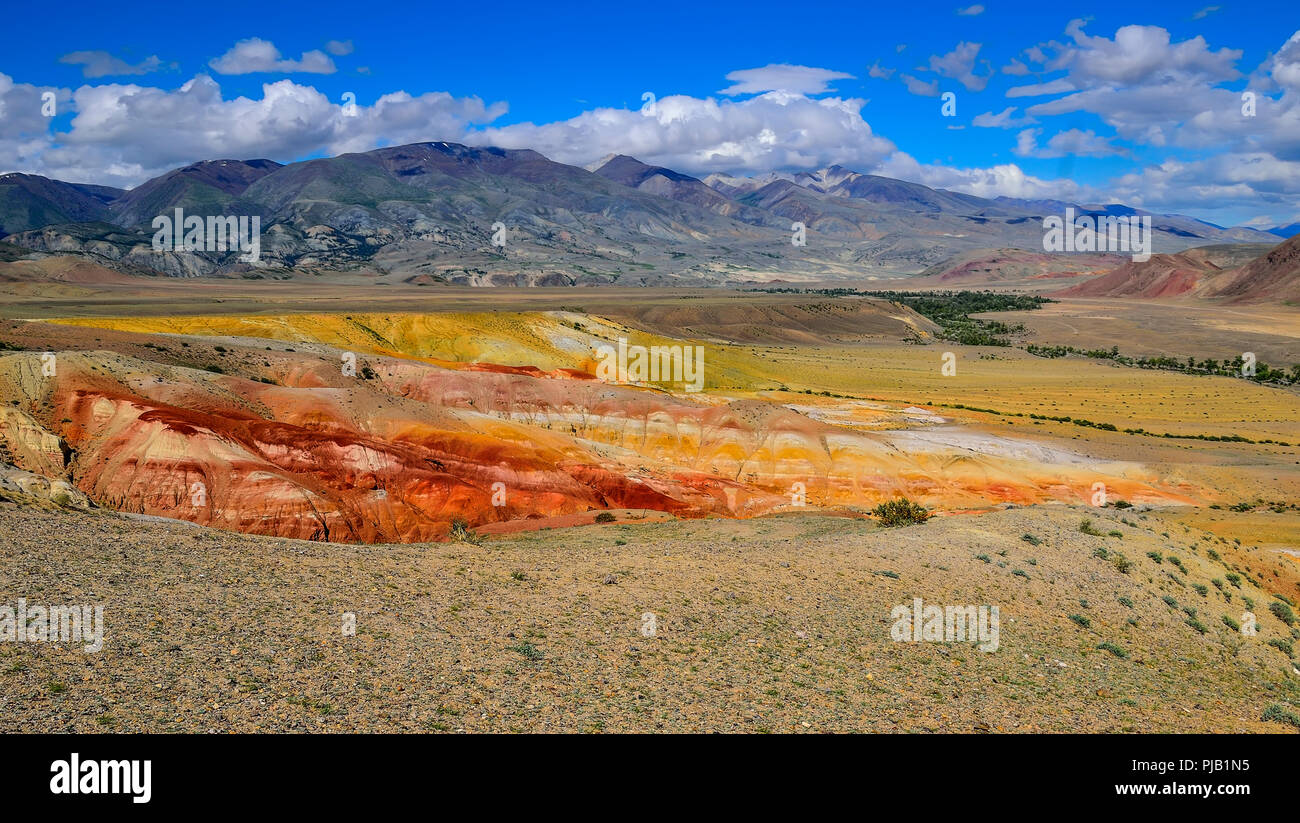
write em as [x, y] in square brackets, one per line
[283, 442]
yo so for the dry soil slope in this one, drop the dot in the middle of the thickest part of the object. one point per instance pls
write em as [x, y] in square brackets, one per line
[808, 323]
[781, 624]
[1237, 272]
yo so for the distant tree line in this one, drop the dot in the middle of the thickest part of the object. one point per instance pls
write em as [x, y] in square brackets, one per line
[1264, 373]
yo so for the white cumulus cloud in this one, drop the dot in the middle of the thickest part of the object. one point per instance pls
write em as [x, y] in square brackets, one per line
[258, 55]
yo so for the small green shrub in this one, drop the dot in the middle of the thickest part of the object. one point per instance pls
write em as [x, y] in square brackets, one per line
[1282, 645]
[1277, 714]
[1121, 563]
[1113, 649]
[462, 533]
[528, 650]
[901, 512]
[1282, 612]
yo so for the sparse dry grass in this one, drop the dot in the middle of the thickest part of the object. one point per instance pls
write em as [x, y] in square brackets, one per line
[777, 624]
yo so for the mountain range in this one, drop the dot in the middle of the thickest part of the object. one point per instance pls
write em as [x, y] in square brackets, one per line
[429, 213]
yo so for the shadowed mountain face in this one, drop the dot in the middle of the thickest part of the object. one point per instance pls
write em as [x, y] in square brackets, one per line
[890, 193]
[430, 212]
[630, 172]
[206, 188]
[28, 201]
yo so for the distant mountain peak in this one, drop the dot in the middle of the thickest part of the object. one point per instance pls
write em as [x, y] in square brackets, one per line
[594, 167]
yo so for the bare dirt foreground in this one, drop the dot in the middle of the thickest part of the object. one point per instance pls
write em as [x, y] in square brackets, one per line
[777, 624]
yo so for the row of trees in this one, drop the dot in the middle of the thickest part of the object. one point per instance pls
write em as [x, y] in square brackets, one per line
[1236, 367]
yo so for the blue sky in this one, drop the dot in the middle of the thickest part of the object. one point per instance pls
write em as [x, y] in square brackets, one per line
[1131, 102]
